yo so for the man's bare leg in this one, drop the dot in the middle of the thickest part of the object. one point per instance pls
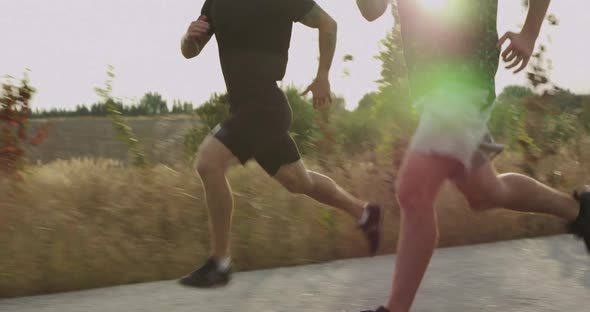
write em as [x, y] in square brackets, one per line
[298, 180]
[486, 189]
[212, 163]
[213, 160]
[420, 180]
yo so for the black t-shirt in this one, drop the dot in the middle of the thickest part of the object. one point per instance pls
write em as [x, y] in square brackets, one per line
[253, 38]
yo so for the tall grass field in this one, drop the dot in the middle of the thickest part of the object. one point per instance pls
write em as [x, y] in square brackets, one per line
[95, 221]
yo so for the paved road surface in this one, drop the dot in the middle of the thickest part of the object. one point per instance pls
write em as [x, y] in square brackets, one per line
[534, 275]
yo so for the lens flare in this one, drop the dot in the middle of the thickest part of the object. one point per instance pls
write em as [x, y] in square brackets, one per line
[433, 5]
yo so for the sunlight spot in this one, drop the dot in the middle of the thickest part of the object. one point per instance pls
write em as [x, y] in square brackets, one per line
[433, 5]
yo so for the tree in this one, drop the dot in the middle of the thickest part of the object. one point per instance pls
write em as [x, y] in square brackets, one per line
[188, 108]
[392, 111]
[177, 107]
[15, 110]
[153, 104]
[393, 66]
[82, 110]
[367, 102]
[98, 109]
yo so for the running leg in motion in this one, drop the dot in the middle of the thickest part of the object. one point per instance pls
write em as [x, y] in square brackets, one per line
[212, 163]
[298, 180]
[486, 189]
[420, 180]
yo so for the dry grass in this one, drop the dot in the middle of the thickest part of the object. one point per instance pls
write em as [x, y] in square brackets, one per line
[89, 223]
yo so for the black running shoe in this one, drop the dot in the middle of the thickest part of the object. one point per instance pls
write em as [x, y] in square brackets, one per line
[380, 309]
[372, 227]
[581, 226]
[208, 276]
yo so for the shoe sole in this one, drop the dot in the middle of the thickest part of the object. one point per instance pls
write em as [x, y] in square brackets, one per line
[379, 229]
[216, 285]
[582, 230]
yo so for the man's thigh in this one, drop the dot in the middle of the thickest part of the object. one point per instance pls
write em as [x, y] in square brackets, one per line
[481, 187]
[279, 154]
[425, 172]
[214, 152]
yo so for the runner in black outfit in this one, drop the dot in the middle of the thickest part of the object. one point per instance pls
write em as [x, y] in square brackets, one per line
[253, 39]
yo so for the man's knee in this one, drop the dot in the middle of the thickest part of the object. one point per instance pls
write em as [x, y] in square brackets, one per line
[208, 163]
[413, 198]
[213, 157]
[206, 167]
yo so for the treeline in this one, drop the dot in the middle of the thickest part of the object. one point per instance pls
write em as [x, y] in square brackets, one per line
[150, 104]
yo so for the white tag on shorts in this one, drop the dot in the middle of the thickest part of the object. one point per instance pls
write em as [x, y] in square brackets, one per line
[216, 129]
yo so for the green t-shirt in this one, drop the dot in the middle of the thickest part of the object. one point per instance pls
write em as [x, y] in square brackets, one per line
[450, 40]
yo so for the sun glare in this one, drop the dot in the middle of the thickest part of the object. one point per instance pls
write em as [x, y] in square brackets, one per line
[433, 5]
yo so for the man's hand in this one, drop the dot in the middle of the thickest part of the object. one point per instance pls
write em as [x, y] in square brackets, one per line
[328, 29]
[372, 9]
[196, 36]
[519, 51]
[198, 30]
[320, 89]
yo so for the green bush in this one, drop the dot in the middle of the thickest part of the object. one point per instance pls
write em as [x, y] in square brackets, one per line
[304, 130]
[124, 132]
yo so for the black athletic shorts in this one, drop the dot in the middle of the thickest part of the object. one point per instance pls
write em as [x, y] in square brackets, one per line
[258, 127]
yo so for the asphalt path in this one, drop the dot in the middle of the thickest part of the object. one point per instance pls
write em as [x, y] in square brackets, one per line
[531, 275]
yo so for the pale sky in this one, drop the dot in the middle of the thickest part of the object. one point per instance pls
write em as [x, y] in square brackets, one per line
[67, 45]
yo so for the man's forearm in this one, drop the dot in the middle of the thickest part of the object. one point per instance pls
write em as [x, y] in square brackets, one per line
[189, 47]
[328, 37]
[535, 17]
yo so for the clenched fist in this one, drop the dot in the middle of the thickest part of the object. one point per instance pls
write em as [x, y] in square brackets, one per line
[199, 29]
